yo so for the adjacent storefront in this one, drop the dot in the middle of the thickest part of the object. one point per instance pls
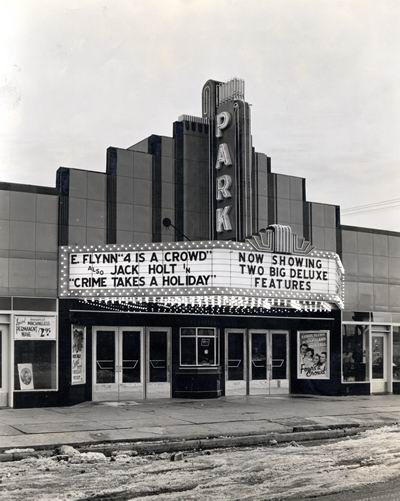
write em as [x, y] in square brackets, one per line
[29, 349]
[371, 355]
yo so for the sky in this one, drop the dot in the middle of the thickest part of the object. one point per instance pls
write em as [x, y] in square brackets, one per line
[323, 78]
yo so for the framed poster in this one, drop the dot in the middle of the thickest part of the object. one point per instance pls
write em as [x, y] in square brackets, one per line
[78, 354]
[313, 354]
[25, 374]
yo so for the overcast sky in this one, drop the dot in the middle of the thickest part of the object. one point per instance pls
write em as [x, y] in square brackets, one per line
[323, 78]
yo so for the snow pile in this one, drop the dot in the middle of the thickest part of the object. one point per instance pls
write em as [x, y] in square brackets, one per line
[16, 451]
[69, 451]
[248, 473]
[88, 457]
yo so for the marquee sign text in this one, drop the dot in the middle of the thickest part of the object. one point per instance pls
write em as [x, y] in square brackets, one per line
[204, 270]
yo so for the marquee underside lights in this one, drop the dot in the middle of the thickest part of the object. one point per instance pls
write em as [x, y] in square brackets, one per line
[207, 304]
[204, 274]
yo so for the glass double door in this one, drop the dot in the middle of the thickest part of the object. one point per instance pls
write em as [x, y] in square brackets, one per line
[131, 363]
[256, 362]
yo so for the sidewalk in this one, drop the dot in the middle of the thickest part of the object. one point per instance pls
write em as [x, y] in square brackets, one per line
[91, 423]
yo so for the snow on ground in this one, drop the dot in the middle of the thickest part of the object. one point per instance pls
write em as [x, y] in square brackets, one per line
[232, 474]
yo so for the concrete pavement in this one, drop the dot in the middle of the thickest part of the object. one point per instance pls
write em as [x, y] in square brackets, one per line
[179, 419]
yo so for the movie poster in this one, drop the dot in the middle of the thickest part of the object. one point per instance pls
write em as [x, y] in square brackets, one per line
[78, 341]
[25, 374]
[313, 355]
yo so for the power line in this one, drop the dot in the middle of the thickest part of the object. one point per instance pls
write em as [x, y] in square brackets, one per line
[372, 204]
[348, 213]
[385, 204]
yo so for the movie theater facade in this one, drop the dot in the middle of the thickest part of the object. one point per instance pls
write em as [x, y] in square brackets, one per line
[189, 269]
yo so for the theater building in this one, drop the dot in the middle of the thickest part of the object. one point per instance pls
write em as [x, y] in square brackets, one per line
[190, 269]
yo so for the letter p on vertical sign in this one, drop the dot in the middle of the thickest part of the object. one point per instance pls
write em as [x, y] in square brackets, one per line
[222, 121]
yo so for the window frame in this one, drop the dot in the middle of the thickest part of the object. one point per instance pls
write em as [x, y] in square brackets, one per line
[196, 336]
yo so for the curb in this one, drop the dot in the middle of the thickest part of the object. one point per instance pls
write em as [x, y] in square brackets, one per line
[298, 435]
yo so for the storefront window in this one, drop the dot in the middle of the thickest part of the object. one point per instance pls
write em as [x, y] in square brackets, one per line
[35, 353]
[355, 353]
[35, 365]
[198, 346]
[396, 353]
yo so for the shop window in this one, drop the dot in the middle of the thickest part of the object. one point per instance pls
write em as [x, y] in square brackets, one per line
[396, 353]
[198, 347]
[35, 365]
[35, 353]
[355, 353]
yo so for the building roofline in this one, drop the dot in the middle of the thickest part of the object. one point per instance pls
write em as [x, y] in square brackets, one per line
[370, 230]
[27, 188]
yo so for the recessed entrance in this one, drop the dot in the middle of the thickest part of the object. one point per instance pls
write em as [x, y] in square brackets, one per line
[131, 363]
[256, 362]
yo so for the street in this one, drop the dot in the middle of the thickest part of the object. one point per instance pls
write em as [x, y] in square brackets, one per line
[291, 472]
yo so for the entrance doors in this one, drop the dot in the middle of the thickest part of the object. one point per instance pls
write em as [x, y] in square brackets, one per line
[236, 362]
[130, 363]
[269, 362]
[158, 356]
[256, 362]
[379, 363]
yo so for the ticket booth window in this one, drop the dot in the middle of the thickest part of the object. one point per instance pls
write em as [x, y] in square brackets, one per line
[198, 347]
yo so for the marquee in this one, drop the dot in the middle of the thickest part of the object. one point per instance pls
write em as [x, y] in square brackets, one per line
[212, 272]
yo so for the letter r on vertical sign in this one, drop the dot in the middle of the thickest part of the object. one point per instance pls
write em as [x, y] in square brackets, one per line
[223, 184]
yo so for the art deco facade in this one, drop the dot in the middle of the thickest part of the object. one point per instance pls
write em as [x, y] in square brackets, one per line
[206, 183]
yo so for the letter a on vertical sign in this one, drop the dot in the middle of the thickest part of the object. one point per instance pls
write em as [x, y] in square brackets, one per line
[223, 156]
